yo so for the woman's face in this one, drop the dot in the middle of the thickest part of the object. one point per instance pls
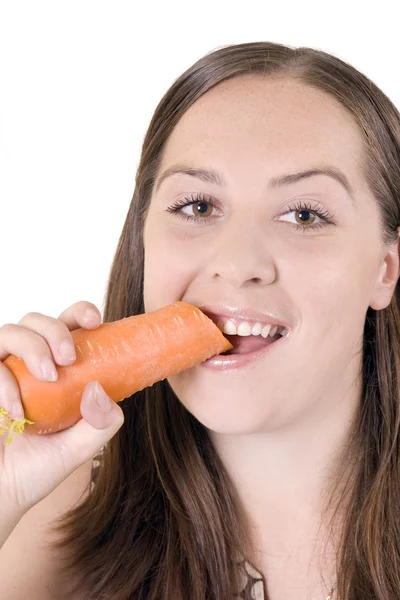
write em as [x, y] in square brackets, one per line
[320, 276]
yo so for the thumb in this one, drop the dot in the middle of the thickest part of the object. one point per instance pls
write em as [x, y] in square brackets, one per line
[101, 419]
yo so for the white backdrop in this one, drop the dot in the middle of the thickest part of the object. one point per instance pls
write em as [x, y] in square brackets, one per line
[79, 81]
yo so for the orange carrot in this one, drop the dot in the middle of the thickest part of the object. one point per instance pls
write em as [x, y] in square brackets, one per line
[124, 356]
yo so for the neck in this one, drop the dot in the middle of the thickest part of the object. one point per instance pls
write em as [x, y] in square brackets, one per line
[285, 480]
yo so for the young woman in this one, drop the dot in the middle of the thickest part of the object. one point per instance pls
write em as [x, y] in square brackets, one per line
[267, 194]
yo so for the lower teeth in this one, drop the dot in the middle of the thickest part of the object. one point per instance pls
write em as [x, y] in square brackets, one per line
[237, 350]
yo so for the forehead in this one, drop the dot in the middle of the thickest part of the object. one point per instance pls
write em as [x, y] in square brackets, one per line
[276, 122]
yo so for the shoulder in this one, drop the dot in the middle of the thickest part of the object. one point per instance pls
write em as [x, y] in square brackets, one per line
[27, 561]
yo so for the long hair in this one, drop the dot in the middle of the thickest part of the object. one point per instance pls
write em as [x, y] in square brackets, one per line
[162, 522]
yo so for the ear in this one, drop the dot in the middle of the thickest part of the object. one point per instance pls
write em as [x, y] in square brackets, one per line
[387, 278]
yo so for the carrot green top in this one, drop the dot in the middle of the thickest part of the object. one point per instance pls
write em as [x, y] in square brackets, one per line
[250, 579]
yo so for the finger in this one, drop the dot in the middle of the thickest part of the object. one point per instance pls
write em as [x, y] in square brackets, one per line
[81, 314]
[99, 423]
[31, 348]
[10, 398]
[55, 333]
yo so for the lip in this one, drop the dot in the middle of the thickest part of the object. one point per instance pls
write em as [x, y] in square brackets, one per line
[217, 312]
[237, 361]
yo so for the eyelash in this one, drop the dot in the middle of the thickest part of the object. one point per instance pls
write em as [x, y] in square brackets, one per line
[299, 206]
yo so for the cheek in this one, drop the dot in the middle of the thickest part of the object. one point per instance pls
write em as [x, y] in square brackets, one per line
[332, 290]
[167, 269]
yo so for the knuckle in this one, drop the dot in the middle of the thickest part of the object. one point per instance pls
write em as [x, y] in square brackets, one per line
[39, 348]
[7, 328]
[30, 316]
[59, 328]
[34, 314]
[50, 327]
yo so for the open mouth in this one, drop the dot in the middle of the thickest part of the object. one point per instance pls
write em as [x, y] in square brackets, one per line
[248, 344]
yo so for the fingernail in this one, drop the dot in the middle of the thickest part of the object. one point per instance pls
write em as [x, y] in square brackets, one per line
[101, 398]
[91, 315]
[67, 349]
[48, 369]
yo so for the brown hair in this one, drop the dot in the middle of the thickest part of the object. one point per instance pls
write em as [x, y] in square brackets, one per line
[162, 522]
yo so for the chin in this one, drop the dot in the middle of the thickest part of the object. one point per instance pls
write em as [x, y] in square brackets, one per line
[223, 424]
[222, 413]
[238, 428]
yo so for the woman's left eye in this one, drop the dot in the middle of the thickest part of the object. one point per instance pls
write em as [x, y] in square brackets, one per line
[203, 207]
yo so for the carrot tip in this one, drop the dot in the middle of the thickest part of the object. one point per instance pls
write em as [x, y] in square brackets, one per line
[11, 426]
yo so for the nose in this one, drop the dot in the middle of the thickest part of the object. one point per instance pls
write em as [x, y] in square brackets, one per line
[241, 257]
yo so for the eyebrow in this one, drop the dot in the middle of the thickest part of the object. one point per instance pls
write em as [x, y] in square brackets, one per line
[212, 176]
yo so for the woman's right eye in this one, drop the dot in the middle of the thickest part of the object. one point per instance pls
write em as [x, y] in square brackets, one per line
[205, 206]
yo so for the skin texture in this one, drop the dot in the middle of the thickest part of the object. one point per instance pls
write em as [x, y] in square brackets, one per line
[278, 423]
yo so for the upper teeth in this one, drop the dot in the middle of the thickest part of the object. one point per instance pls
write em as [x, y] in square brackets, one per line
[245, 329]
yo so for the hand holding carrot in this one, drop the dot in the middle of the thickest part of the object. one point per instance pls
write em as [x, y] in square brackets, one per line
[126, 356]
[33, 466]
